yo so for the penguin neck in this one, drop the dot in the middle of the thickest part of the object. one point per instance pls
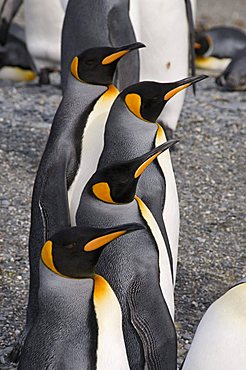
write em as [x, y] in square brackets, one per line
[77, 88]
[67, 308]
[64, 290]
[125, 131]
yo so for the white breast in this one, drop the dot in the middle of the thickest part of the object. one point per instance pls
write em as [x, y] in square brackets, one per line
[162, 26]
[43, 24]
[92, 146]
[64, 3]
[111, 352]
[220, 339]
[166, 283]
[171, 206]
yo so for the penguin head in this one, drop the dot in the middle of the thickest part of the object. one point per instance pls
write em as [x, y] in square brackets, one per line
[203, 44]
[74, 252]
[147, 99]
[117, 183]
[97, 65]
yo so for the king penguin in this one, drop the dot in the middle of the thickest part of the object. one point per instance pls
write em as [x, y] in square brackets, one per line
[71, 155]
[15, 61]
[220, 340]
[216, 47]
[234, 76]
[164, 29]
[131, 266]
[74, 303]
[99, 23]
[132, 127]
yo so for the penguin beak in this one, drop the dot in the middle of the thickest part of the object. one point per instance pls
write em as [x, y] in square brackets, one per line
[120, 52]
[181, 85]
[197, 45]
[107, 235]
[148, 158]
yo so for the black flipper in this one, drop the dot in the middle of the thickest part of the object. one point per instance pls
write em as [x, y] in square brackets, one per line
[7, 12]
[154, 325]
[190, 19]
[53, 202]
[127, 72]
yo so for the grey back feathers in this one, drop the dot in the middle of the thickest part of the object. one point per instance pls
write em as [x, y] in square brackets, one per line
[60, 337]
[94, 23]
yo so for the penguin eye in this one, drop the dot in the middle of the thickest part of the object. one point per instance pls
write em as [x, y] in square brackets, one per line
[70, 246]
[124, 180]
[89, 62]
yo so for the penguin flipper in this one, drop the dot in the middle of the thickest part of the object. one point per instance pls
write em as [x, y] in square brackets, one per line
[121, 33]
[151, 318]
[53, 202]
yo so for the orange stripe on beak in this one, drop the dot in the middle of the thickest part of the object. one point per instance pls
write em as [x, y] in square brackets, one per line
[144, 165]
[111, 58]
[173, 92]
[102, 240]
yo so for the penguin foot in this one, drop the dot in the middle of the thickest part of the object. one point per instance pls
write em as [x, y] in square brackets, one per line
[44, 76]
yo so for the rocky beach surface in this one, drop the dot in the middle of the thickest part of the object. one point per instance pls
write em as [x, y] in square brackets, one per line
[209, 164]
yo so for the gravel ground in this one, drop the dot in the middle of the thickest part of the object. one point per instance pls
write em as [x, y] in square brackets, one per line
[210, 170]
[221, 12]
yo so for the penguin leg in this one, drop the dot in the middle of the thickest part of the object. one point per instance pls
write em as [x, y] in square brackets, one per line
[151, 318]
[121, 33]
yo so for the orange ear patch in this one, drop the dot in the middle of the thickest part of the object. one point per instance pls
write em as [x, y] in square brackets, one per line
[46, 256]
[113, 57]
[133, 102]
[74, 68]
[101, 191]
[102, 240]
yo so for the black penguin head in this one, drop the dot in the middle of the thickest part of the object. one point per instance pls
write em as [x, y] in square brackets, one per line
[203, 44]
[74, 252]
[146, 100]
[97, 65]
[117, 183]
